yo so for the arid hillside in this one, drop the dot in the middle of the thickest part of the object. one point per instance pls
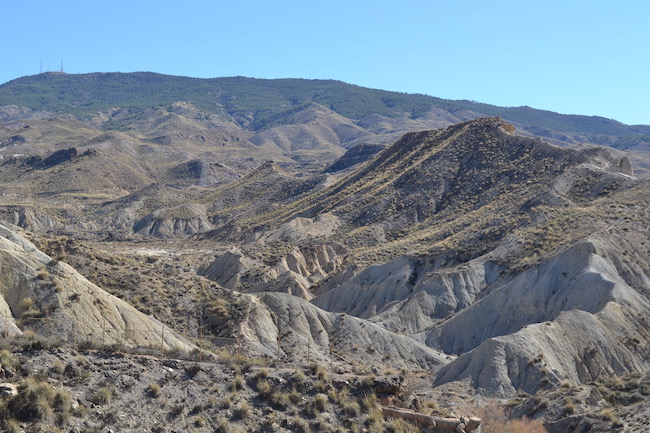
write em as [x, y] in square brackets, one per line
[430, 260]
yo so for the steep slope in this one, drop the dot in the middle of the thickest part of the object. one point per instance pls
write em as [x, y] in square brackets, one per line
[457, 180]
[286, 325]
[52, 298]
[584, 313]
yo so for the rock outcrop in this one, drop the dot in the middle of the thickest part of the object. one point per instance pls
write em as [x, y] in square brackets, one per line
[294, 272]
[59, 157]
[284, 325]
[179, 221]
[29, 218]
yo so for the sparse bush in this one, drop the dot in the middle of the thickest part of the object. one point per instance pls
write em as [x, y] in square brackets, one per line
[88, 345]
[104, 395]
[339, 396]
[11, 426]
[176, 410]
[33, 341]
[369, 380]
[432, 406]
[57, 285]
[227, 402]
[264, 387]
[223, 426]
[28, 308]
[401, 426]
[320, 425]
[318, 404]
[299, 376]
[219, 309]
[154, 390]
[608, 414]
[280, 400]
[62, 404]
[243, 410]
[200, 421]
[374, 419]
[300, 425]
[540, 403]
[494, 420]
[369, 402]
[569, 406]
[294, 396]
[238, 383]
[58, 367]
[351, 408]
[318, 371]
[26, 303]
[8, 359]
[233, 361]
[37, 400]
[33, 401]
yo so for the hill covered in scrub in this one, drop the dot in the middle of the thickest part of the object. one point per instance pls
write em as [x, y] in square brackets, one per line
[395, 249]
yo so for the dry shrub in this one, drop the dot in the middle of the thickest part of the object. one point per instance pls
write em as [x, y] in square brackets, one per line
[495, 420]
[243, 410]
[36, 401]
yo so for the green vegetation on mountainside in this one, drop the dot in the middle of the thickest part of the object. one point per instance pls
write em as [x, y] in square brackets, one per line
[263, 99]
[262, 103]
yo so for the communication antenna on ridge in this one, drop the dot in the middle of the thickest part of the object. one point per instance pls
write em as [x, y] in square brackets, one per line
[61, 66]
[41, 67]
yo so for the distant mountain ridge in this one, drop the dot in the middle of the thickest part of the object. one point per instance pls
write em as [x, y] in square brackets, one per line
[259, 104]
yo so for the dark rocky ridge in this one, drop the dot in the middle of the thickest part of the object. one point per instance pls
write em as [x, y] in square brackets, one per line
[355, 155]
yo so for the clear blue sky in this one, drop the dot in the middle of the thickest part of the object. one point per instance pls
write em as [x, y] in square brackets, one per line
[570, 56]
